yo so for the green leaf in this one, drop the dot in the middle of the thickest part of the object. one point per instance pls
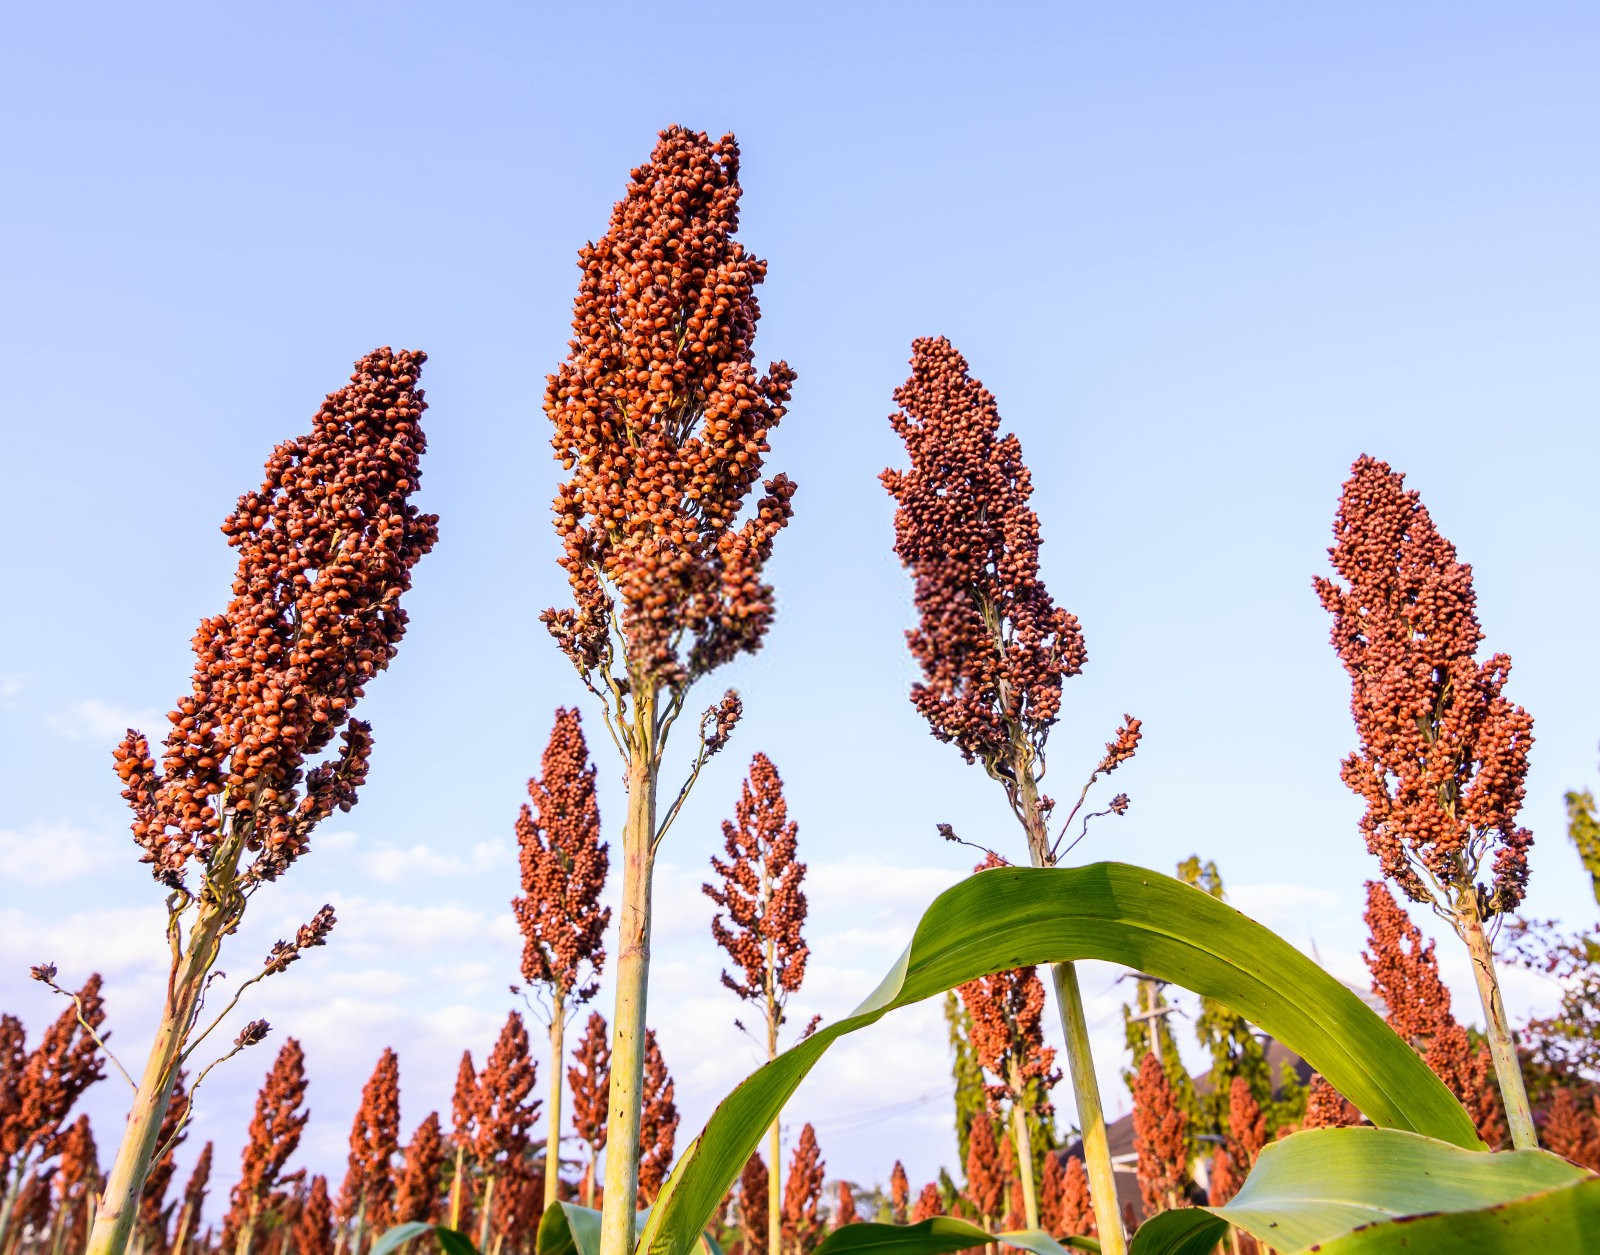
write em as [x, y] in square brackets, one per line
[1358, 1189]
[568, 1229]
[1019, 916]
[938, 1235]
[450, 1242]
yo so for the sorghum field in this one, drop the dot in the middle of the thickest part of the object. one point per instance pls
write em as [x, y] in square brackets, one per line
[951, 689]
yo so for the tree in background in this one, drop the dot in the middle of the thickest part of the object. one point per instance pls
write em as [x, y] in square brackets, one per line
[762, 932]
[366, 1199]
[417, 1189]
[589, 1080]
[564, 863]
[802, 1195]
[993, 647]
[280, 1118]
[326, 548]
[39, 1088]
[658, 1122]
[1583, 827]
[662, 421]
[1443, 752]
[1160, 1138]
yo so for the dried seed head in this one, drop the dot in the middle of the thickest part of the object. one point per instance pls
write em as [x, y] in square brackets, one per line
[1443, 753]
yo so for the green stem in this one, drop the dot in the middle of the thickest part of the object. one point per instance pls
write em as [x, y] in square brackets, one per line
[552, 1141]
[1024, 1147]
[1497, 1026]
[633, 976]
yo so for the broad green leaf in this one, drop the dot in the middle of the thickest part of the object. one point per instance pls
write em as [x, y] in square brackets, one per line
[450, 1241]
[568, 1229]
[1019, 916]
[1354, 1184]
[936, 1236]
[1564, 1221]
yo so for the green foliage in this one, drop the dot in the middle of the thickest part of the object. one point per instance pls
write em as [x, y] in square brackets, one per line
[1015, 916]
[965, 1070]
[1359, 1191]
[1583, 826]
[939, 1235]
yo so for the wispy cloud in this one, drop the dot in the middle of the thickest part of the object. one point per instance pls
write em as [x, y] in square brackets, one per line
[96, 720]
[49, 853]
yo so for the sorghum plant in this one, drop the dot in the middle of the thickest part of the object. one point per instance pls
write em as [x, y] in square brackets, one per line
[766, 911]
[994, 648]
[930, 1203]
[153, 1212]
[313, 1229]
[802, 1195]
[1160, 1138]
[753, 1202]
[463, 1132]
[366, 1199]
[564, 864]
[504, 1111]
[417, 1189]
[844, 1206]
[1075, 1215]
[589, 1079]
[987, 1170]
[1572, 1127]
[662, 420]
[194, 1200]
[1247, 1125]
[899, 1193]
[1443, 752]
[1327, 1108]
[326, 547]
[76, 1181]
[275, 1131]
[38, 1088]
[658, 1122]
[1405, 975]
[1006, 1010]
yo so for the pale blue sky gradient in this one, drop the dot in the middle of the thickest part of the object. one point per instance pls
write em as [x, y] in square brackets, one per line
[1203, 255]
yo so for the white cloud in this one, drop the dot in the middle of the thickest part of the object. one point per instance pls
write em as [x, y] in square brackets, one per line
[11, 686]
[392, 864]
[96, 720]
[49, 853]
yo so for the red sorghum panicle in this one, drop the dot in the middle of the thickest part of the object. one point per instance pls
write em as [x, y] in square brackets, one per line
[326, 546]
[1327, 1108]
[844, 1208]
[368, 1189]
[76, 1181]
[658, 1122]
[564, 863]
[1247, 1125]
[1223, 1182]
[194, 1194]
[464, 1099]
[313, 1229]
[992, 645]
[761, 893]
[988, 1169]
[753, 1205]
[274, 1135]
[1443, 753]
[505, 1108]
[662, 419]
[930, 1203]
[589, 1080]
[1572, 1129]
[802, 1194]
[1159, 1136]
[899, 1192]
[417, 1190]
[38, 1088]
[1077, 1213]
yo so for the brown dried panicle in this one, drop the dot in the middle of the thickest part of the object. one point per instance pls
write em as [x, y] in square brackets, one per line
[1076, 1217]
[1443, 753]
[464, 1101]
[194, 1193]
[39, 1088]
[1572, 1128]
[761, 893]
[1160, 1136]
[899, 1192]
[564, 863]
[988, 1170]
[505, 1108]
[417, 1189]
[1327, 1108]
[753, 1180]
[314, 932]
[930, 1203]
[658, 1122]
[844, 1208]
[275, 1130]
[663, 422]
[326, 546]
[802, 1193]
[313, 1229]
[1247, 1125]
[368, 1188]
[589, 1082]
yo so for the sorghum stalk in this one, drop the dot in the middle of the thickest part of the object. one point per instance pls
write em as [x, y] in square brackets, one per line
[662, 420]
[992, 645]
[552, 1145]
[326, 546]
[1024, 1144]
[1444, 754]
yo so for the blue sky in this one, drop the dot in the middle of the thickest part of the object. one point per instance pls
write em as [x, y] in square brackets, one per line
[1204, 256]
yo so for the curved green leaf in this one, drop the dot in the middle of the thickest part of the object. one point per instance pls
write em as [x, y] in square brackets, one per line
[450, 1241]
[568, 1229]
[1565, 1221]
[1019, 916]
[937, 1236]
[1366, 1187]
